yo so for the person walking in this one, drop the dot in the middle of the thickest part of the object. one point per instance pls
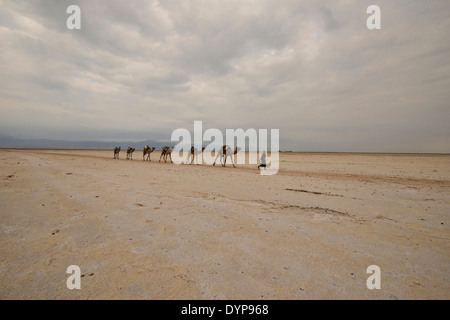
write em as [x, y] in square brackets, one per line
[263, 160]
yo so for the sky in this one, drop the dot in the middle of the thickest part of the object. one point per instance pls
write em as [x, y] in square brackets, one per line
[140, 69]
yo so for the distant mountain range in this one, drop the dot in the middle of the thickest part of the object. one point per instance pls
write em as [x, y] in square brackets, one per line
[9, 142]
[19, 143]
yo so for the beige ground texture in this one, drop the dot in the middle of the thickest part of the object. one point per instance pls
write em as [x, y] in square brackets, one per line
[150, 230]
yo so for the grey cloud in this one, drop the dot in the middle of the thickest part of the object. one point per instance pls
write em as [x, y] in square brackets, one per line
[309, 68]
[329, 21]
[173, 82]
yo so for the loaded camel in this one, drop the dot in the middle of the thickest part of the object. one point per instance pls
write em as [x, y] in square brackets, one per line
[226, 152]
[116, 152]
[130, 153]
[147, 151]
[166, 151]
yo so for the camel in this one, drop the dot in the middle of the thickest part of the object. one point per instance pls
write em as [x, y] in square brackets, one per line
[147, 151]
[116, 152]
[226, 152]
[195, 153]
[130, 153]
[166, 151]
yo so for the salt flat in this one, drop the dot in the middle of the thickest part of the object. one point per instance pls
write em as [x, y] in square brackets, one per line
[151, 230]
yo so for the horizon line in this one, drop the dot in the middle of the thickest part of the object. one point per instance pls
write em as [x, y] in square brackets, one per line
[281, 151]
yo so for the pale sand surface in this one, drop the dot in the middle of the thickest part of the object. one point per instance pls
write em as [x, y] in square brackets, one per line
[149, 230]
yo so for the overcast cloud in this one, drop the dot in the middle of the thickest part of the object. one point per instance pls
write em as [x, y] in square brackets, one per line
[140, 69]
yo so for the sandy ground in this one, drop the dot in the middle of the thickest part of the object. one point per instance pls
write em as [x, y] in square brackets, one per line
[149, 230]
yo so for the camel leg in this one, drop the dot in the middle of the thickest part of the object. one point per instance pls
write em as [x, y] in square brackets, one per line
[196, 158]
[165, 157]
[232, 160]
[218, 154]
[161, 157]
[227, 158]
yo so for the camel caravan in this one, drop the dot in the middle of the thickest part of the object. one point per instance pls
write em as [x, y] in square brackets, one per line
[166, 154]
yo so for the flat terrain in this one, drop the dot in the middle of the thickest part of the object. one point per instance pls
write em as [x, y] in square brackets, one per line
[150, 230]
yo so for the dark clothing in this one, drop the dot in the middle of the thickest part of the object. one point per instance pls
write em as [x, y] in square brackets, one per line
[263, 161]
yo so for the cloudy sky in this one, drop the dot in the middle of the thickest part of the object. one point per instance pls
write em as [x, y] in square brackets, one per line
[140, 69]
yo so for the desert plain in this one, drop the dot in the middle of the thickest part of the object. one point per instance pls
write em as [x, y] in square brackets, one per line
[153, 230]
